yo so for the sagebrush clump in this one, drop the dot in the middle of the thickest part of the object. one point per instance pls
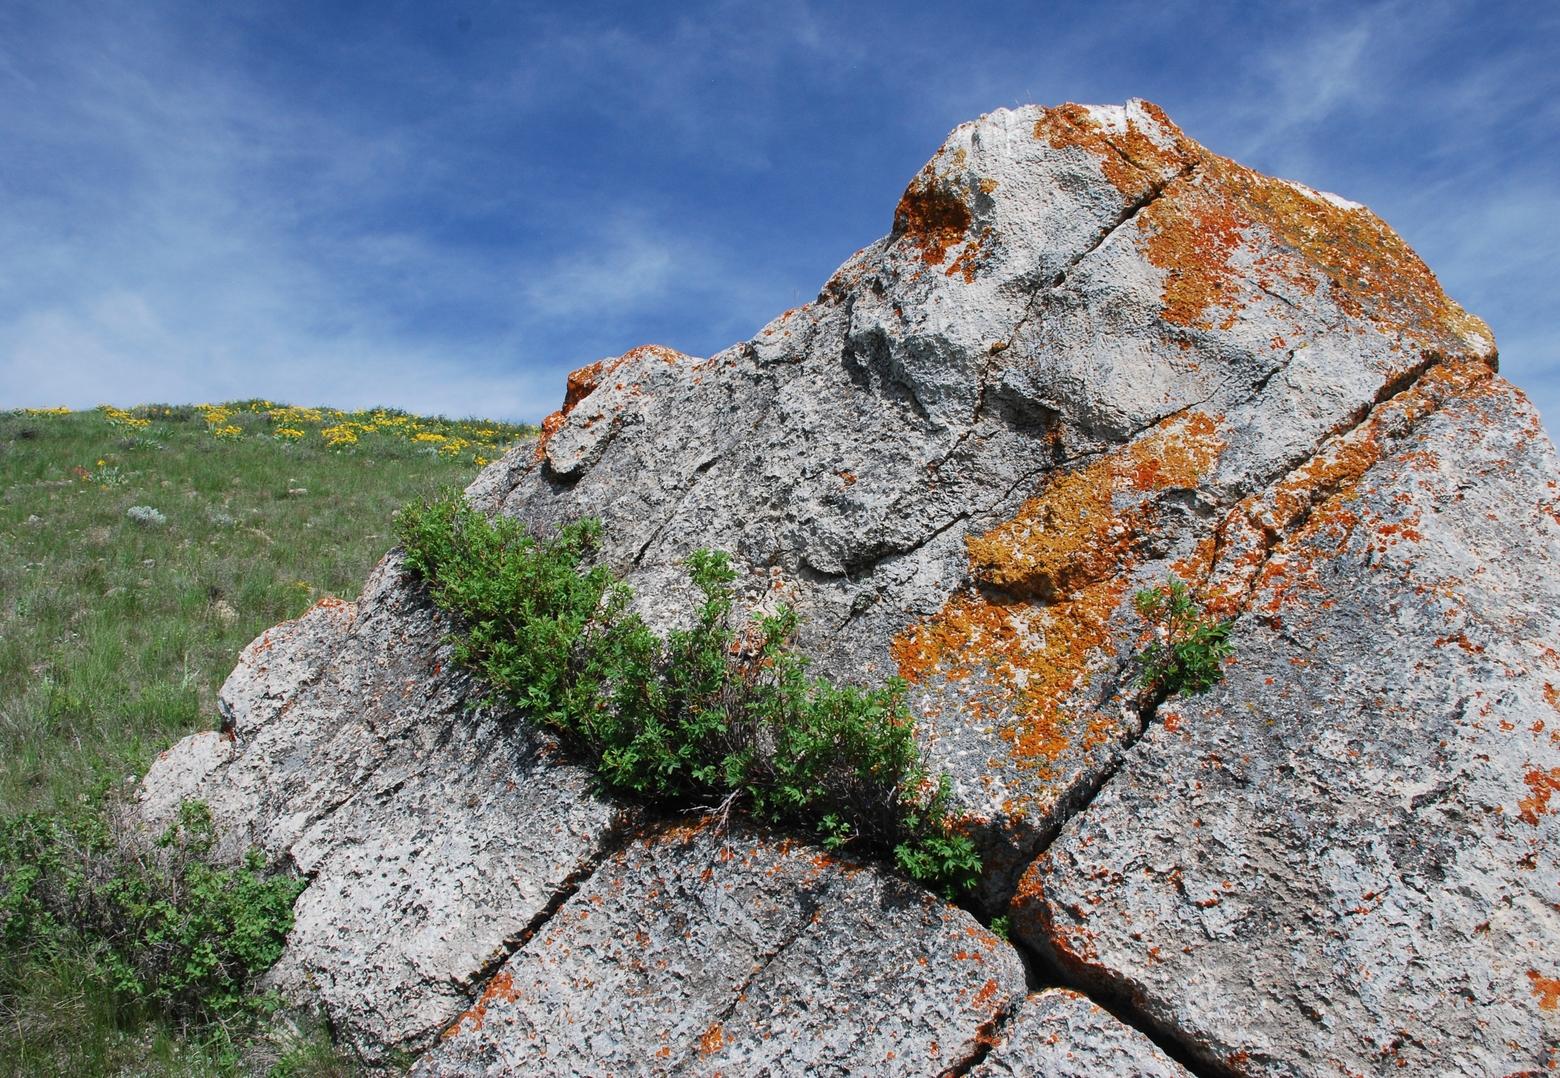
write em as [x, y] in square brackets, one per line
[706, 717]
[170, 928]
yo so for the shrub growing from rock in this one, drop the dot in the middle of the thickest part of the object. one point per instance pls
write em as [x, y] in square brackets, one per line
[707, 716]
[1189, 648]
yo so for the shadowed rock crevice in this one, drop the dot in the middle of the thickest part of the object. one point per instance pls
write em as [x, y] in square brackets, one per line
[1044, 973]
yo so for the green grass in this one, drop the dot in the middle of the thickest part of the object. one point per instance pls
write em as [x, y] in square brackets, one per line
[115, 636]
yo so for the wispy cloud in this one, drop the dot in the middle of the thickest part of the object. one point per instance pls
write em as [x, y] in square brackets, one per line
[342, 206]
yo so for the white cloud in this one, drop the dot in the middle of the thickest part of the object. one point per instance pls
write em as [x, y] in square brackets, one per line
[215, 245]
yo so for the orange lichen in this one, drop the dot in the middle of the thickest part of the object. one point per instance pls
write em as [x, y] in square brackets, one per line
[1545, 989]
[1543, 784]
[501, 987]
[1194, 232]
[1131, 160]
[1047, 585]
[580, 384]
[932, 216]
[1308, 514]
[1071, 534]
[586, 380]
[713, 1040]
[968, 261]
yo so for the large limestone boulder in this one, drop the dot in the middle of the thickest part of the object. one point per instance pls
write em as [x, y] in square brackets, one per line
[1090, 354]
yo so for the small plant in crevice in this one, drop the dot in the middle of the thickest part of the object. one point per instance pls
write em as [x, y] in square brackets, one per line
[1189, 647]
[706, 716]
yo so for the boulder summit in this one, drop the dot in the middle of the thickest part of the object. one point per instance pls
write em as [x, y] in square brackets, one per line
[1090, 355]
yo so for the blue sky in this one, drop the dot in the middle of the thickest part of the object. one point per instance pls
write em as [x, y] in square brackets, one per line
[445, 207]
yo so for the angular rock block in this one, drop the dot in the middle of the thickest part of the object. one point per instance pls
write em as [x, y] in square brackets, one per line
[1058, 1033]
[698, 952]
[431, 836]
[1343, 860]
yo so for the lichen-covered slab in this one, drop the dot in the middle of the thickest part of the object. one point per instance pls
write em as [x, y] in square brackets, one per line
[1058, 1033]
[431, 836]
[694, 951]
[1085, 338]
[1343, 860]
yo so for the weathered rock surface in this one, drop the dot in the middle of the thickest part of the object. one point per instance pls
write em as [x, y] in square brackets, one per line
[432, 838]
[1342, 861]
[1091, 353]
[1086, 339]
[1058, 1033]
[696, 952]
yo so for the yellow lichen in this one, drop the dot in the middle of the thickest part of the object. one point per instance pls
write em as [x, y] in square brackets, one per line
[1047, 585]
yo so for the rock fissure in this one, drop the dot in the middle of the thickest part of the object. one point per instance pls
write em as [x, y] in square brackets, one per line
[1317, 483]
[854, 570]
[1167, 1039]
[765, 960]
[1155, 191]
[1146, 707]
[987, 1037]
[613, 841]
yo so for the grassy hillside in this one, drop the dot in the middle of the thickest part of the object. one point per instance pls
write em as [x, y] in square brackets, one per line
[139, 551]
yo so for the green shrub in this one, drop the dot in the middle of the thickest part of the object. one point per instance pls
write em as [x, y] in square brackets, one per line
[707, 717]
[170, 929]
[1189, 649]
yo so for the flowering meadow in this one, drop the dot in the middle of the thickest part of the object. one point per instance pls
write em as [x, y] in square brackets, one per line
[473, 441]
[140, 550]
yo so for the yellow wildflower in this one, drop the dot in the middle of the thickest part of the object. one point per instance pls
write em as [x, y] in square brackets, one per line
[339, 435]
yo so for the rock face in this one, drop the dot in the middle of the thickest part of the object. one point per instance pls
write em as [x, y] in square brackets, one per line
[696, 953]
[433, 840]
[1342, 860]
[1089, 355]
[1061, 1034]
